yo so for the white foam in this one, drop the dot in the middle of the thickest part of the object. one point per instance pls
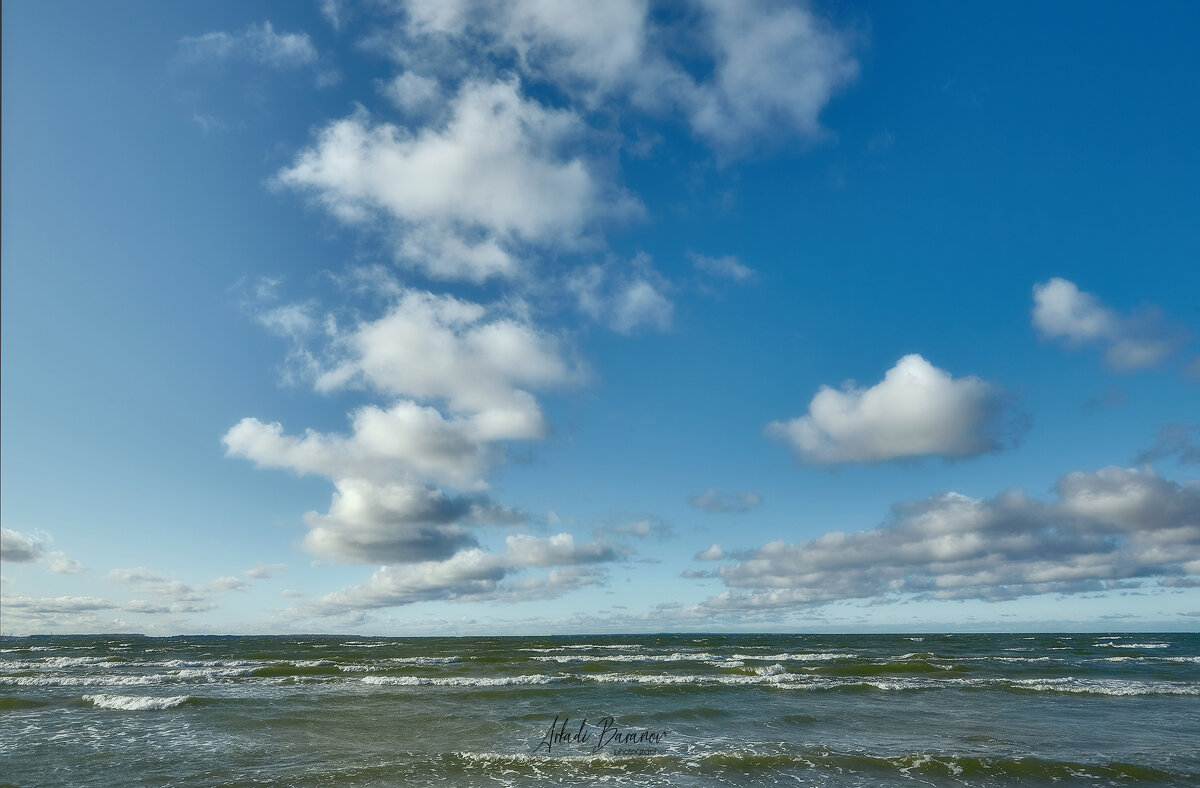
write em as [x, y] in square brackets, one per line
[210, 674]
[208, 663]
[462, 681]
[424, 660]
[770, 670]
[79, 681]
[806, 657]
[678, 656]
[135, 702]
[668, 679]
[71, 662]
[1114, 687]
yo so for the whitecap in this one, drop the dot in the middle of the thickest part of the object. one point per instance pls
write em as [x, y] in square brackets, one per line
[462, 681]
[135, 702]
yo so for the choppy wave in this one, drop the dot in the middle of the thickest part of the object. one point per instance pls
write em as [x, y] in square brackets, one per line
[136, 702]
[986, 711]
[786, 657]
[81, 681]
[462, 681]
[719, 765]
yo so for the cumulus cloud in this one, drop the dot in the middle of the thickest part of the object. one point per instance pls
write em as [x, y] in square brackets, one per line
[1061, 311]
[624, 300]
[639, 529]
[258, 44]
[916, 410]
[717, 502]
[265, 571]
[764, 69]
[18, 547]
[398, 523]
[727, 267]
[460, 378]
[477, 363]
[60, 604]
[150, 582]
[175, 608]
[472, 575]
[776, 66]
[466, 198]
[1107, 527]
[229, 583]
[60, 564]
[413, 93]
[406, 441]
[714, 553]
[440, 347]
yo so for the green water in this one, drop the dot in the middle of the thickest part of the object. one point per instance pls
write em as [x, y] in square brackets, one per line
[691, 710]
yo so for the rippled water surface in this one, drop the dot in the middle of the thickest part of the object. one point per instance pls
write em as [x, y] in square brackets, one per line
[689, 710]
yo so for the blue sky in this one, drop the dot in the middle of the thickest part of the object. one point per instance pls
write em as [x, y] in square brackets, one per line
[425, 318]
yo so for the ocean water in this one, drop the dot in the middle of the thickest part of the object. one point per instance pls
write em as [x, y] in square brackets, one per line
[686, 710]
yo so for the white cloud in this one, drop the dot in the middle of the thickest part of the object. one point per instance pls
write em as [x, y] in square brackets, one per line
[151, 582]
[405, 441]
[398, 523]
[291, 321]
[625, 301]
[1107, 527]
[265, 571]
[916, 410]
[727, 267]
[776, 66]
[257, 43]
[60, 604]
[440, 347]
[175, 608]
[503, 173]
[18, 547]
[1062, 311]
[474, 361]
[769, 68]
[593, 48]
[332, 11]
[714, 553]
[478, 575]
[640, 529]
[712, 501]
[138, 575]
[229, 583]
[414, 93]
[61, 564]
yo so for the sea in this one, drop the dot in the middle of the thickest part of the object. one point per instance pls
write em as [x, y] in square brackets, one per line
[672, 709]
